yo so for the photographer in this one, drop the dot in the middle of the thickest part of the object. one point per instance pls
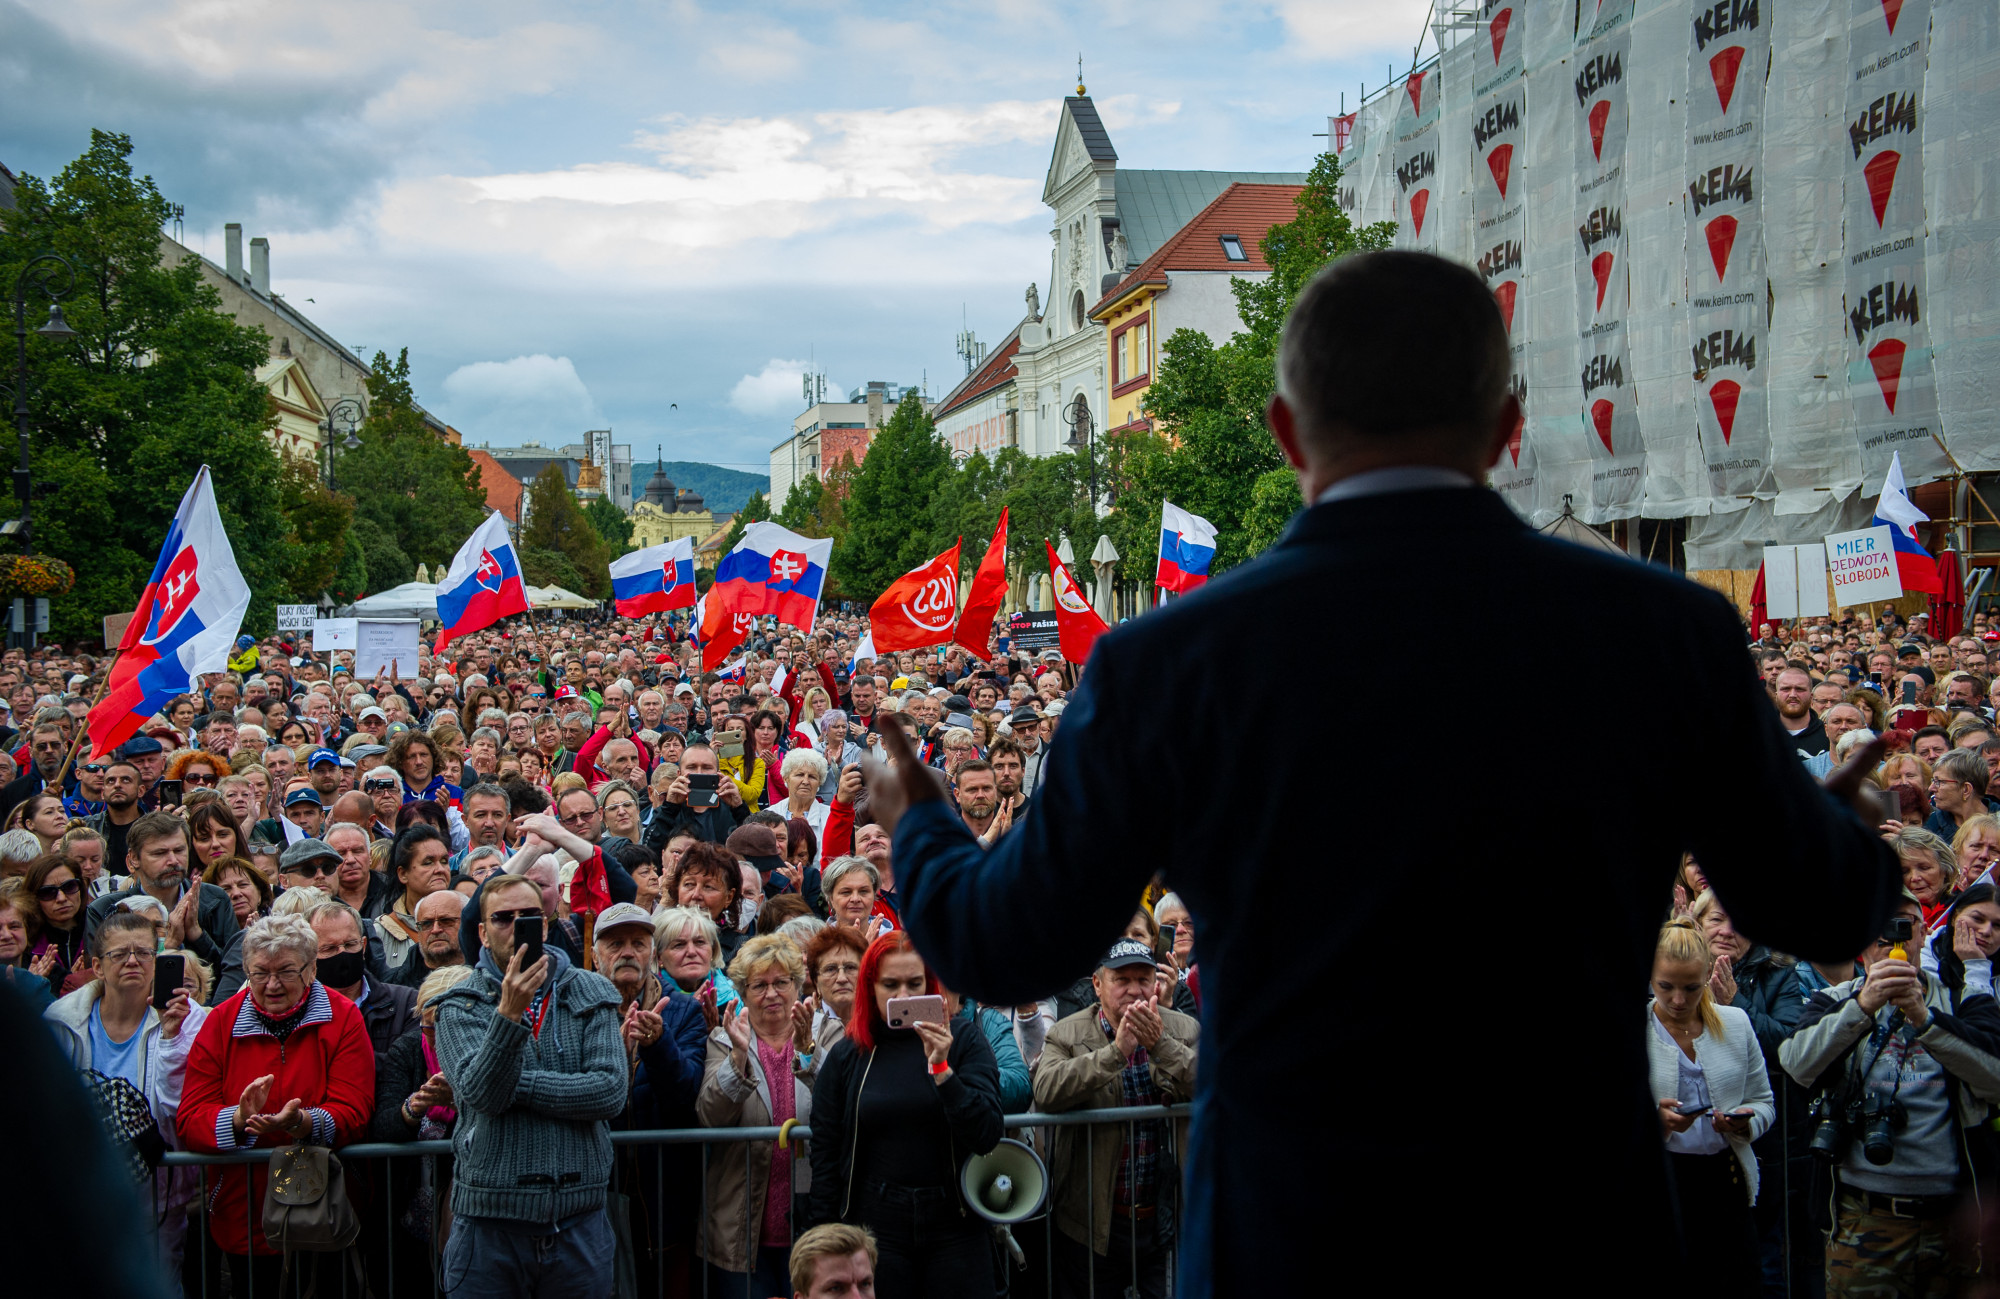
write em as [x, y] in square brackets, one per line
[1905, 1066]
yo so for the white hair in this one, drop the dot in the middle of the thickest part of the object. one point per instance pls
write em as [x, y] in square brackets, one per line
[298, 901]
[803, 762]
[800, 929]
[839, 866]
[282, 933]
[1170, 902]
[1851, 741]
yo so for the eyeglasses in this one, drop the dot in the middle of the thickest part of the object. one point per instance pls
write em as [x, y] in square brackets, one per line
[377, 786]
[505, 918]
[439, 922]
[840, 967]
[772, 985]
[265, 978]
[193, 779]
[625, 805]
[50, 892]
[127, 956]
[577, 818]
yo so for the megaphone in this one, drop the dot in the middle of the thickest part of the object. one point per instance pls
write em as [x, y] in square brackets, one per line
[1008, 1184]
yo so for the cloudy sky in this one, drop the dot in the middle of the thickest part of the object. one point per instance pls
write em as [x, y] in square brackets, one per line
[576, 214]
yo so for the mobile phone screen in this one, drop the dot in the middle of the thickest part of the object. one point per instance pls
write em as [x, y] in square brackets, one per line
[168, 972]
[528, 937]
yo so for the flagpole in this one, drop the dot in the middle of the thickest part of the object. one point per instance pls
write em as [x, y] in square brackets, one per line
[63, 773]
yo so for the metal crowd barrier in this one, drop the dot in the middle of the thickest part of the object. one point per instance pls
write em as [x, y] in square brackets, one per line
[361, 1161]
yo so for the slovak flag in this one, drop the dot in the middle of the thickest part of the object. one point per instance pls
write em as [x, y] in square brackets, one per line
[1914, 564]
[1187, 548]
[483, 584]
[655, 579]
[772, 570]
[185, 624]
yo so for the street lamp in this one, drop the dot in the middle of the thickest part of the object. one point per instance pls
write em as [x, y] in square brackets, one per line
[345, 413]
[54, 277]
[1081, 430]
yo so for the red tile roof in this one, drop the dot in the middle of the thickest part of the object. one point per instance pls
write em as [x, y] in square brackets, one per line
[993, 373]
[1245, 210]
[503, 490]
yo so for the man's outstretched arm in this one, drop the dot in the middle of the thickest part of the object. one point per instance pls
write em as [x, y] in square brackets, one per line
[1070, 874]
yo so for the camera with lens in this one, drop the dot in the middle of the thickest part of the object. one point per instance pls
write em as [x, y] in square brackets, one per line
[1829, 1114]
[1899, 931]
[1881, 1116]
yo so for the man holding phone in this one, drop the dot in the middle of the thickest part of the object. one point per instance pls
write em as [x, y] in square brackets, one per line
[533, 1047]
[699, 801]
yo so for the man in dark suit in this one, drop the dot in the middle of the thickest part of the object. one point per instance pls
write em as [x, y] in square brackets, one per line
[1423, 1056]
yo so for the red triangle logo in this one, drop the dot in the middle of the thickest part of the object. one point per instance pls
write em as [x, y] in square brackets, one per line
[1600, 270]
[1503, 293]
[1600, 415]
[1887, 358]
[1418, 202]
[1415, 85]
[1881, 176]
[1498, 28]
[1721, 234]
[1499, 162]
[1723, 395]
[1892, 10]
[1723, 68]
[1520, 422]
[1600, 113]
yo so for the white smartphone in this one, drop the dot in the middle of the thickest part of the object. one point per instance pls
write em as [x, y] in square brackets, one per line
[907, 1011]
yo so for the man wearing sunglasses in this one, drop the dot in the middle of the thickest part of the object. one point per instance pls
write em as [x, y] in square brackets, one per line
[87, 799]
[537, 1062]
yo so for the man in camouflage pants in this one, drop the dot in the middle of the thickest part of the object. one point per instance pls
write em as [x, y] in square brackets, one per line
[1914, 1059]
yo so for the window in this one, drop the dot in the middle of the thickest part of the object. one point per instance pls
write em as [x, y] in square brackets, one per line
[1232, 248]
[1141, 355]
[1076, 309]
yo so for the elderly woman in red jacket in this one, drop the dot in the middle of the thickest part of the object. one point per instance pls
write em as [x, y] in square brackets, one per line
[282, 1061]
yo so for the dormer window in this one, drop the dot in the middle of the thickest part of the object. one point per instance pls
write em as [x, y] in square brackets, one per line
[1232, 248]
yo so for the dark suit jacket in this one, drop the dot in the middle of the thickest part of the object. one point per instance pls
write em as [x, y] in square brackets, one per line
[1451, 990]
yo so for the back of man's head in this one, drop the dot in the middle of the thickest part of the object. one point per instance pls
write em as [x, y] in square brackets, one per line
[1394, 349]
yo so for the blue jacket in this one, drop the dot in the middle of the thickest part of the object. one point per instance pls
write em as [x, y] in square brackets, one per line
[1127, 794]
[1017, 1087]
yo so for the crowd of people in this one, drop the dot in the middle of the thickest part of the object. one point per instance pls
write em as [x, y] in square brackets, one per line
[560, 884]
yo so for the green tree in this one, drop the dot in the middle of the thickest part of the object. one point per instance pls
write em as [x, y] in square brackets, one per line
[1208, 400]
[350, 580]
[809, 508]
[755, 510]
[612, 524]
[558, 528]
[420, 490]
[157, 382]
[891, 524]
[320, 521]
[1274, 499]
[381, 561]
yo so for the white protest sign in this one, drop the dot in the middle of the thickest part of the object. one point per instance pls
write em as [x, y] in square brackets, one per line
[296, 617]
[382, 641]
[333, 634]
[1863, 565]
[1795, 582]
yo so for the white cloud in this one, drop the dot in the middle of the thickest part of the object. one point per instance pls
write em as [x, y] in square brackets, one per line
[539, 397]
[717, 182]
[777, 389]
[1329, 30]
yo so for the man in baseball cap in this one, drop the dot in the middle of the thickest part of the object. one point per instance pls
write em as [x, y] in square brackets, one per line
[1154, 1050]
[309, 863]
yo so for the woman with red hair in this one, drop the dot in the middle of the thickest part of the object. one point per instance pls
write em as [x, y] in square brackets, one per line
[896, 1112]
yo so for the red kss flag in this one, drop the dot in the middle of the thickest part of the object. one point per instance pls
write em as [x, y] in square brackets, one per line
[919, 608]
[1077, 624]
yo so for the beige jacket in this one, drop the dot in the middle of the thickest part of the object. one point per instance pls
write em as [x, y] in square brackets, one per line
[1080, 1069]
[729, 1100]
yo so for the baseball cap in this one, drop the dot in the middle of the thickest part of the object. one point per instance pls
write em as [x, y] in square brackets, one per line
[1126, 952]
[363, 715]
[683, 689]
[900, 683]
[753, 841]
[324, 755]
[298, 796]
[305, 850]
[623, 913]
